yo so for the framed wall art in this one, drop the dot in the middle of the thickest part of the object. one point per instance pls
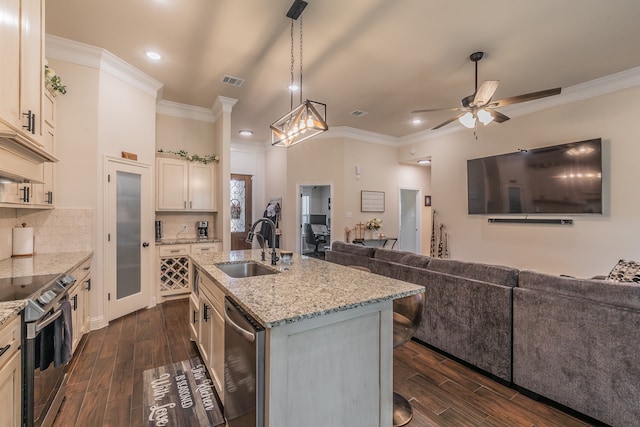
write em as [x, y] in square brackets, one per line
[372, 201]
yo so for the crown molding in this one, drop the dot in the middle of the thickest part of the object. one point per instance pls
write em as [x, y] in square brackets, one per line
[222, 104]
[358, 134]
[94, 57]
[170, 108]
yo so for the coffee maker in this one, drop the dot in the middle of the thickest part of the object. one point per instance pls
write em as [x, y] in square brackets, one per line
[203, 229]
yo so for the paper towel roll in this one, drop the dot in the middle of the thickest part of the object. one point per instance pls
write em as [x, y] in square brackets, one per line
[22, 241]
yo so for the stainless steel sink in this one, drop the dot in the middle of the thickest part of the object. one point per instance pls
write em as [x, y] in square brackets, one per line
[244, 269]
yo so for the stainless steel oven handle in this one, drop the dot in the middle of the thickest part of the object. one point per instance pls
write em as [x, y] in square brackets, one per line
[239, 329]
[40, 326]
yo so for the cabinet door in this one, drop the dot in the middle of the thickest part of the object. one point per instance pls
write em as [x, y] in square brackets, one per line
[194, 317]
[76, 316]
[10, 53]
[20, 194]
[217, 349]
[43, 193]
[206, 328]
[10, 392]
[201, 187]
[171, 185]
[32, 63]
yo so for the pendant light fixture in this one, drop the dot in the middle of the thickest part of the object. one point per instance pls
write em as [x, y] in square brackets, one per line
[310, 117]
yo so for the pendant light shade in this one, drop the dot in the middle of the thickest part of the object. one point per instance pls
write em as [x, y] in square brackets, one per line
[303, 122]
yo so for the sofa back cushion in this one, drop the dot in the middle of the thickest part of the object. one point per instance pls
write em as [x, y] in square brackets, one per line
[353, 249]
[401, 257]
[622, 294]
[497, 274]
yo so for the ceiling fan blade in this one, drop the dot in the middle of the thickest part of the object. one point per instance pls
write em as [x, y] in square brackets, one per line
[526, 97]
[453, 119]
[498, 117]
[430, 110]
[485, 92]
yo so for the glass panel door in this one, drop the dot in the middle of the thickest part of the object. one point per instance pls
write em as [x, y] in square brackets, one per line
[128, 238]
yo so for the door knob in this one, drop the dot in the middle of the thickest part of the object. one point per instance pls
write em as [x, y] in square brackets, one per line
[145, 245]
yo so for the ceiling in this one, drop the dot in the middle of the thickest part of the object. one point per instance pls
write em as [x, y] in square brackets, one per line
[382, 57]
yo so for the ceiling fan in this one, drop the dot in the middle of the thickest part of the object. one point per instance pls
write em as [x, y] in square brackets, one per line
[479, 106]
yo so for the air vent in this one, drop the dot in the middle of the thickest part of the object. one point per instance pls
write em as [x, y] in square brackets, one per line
[233, 81]
[358, 113]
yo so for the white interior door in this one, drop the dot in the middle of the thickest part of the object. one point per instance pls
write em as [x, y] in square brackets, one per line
[129, 263]
[409, 221]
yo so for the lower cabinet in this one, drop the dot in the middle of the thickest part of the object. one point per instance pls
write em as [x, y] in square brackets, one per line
[210, 336]
[79, 298]
[10, 374]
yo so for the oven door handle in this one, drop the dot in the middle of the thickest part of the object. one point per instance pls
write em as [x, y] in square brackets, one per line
[40, 326]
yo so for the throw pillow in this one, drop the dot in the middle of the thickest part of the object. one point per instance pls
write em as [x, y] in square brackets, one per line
[625, 271]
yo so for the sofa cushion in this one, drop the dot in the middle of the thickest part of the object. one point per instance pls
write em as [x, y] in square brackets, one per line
[625, 271]
[352, 249]
[389, 255]
[622, 294]
[497, 274]
[401, 257]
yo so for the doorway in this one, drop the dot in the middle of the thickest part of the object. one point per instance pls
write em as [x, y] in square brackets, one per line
[315, 219]
[241, 210]
[410, 220]
[129, 261]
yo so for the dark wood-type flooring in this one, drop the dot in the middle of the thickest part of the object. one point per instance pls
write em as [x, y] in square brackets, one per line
[105, 379]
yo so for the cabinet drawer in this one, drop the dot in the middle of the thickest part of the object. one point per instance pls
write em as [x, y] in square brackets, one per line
[173, 250]
[213, 292]
[81, 272]
[205, 248]
[9, 340]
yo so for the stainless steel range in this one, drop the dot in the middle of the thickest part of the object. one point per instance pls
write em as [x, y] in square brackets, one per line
[46, 341]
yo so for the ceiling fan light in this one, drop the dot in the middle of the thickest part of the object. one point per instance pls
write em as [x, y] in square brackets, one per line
[468, 120]
[484, 116]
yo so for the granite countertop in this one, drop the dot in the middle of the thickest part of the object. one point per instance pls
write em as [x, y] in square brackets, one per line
[308, 288]
[34, 266]
[186, 241]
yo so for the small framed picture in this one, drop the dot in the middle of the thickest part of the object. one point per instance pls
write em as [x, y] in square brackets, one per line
[427, 200]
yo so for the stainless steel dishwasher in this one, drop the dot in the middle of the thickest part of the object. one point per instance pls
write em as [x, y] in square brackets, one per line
[244, 364]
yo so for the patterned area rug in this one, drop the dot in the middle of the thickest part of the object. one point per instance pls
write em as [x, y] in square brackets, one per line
[181, 395]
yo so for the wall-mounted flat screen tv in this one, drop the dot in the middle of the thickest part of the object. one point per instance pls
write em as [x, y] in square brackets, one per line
[562, 179]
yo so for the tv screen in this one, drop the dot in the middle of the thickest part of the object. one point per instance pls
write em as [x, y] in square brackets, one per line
[562, 179]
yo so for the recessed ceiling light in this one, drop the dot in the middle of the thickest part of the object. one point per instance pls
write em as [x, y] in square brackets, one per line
[153, 55]
[293, 87]
[424, 162]
[416, 121]
[245, 132]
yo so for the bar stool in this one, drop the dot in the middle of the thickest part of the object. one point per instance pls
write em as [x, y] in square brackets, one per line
[407, 314]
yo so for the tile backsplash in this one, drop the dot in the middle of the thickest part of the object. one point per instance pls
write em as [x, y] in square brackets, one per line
[55, 230]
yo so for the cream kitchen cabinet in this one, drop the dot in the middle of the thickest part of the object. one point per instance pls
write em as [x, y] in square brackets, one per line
[175, 270]
[211, 329]
[10, 374]
[185, 186]
[22, 83]
[79, 298]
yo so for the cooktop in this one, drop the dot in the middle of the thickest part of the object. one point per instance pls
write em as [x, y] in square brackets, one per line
[28, 287]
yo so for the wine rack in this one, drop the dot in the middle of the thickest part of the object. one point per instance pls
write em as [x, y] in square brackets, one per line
[174, 275]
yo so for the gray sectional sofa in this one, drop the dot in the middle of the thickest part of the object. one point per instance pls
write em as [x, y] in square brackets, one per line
[573, 341]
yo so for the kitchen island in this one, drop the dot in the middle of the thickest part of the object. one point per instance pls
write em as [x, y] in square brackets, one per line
[328, 343]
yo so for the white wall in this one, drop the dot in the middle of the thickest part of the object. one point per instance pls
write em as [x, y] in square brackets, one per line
[331, 161]
[594, 243]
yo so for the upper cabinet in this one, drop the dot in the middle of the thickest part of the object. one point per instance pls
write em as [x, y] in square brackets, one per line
[22, 84]
[185, 186]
